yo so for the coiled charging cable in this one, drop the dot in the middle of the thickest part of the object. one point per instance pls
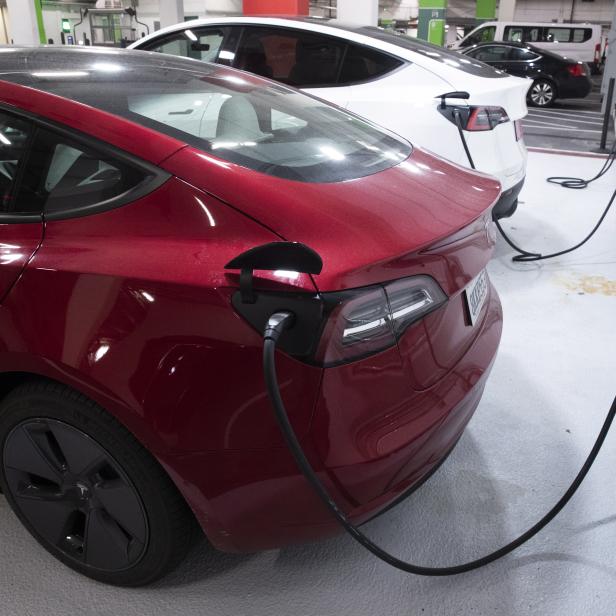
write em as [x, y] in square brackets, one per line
[276, 325]
[526, 256]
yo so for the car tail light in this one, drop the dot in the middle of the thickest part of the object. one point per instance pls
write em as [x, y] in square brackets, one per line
[519, 131]
[576, 70]
[366, 321]
[475, 118]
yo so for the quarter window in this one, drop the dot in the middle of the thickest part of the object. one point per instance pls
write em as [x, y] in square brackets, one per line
[364, 63]
[63, 175]
[14, 138]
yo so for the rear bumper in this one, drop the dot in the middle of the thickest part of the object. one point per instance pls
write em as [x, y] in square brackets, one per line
[574, 87]
[508, 201]
[378, 439]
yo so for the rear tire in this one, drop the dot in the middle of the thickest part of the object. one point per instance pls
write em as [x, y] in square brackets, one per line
[542, 93]
[87, 490]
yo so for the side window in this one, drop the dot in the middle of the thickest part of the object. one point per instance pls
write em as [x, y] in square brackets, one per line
[483, 35]
[199, 44]
[492, 53]
[581, 35]
[14, 136]
[558, 35]
[364, 63]
[513, 33]
[522, 55]
[532, 35]
[294, 57]
[63, 174]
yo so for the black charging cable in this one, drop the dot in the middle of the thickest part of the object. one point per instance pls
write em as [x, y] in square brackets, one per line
[579, 183]
[276, 325]
[526, 256]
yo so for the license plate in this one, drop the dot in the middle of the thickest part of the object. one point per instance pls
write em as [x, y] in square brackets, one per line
[476, 293]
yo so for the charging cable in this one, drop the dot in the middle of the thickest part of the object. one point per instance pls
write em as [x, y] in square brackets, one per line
[277, 324]
[526, 256]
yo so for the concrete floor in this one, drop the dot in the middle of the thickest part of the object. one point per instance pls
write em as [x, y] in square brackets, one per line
[552, 385]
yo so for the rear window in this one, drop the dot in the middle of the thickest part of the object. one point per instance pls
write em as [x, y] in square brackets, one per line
[434, 52]
[260, 125]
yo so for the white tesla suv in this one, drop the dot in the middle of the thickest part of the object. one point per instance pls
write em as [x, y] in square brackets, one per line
[393, 80]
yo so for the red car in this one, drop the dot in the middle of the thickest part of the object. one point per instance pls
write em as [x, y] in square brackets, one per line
[132, 397]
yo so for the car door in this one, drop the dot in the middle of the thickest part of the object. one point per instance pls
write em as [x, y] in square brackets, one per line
[300, 58]
[523, 62]
[21, 222]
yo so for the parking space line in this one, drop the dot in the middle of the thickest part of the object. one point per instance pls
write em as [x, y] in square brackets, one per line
[573, 130]
[563, 119]
[573, 112]
[525, 121]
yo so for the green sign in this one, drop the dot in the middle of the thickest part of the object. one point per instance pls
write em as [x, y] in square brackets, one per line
[486, 10]
[431, 23]
[66, 25]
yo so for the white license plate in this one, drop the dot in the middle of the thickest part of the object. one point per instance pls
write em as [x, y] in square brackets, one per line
[476, 293]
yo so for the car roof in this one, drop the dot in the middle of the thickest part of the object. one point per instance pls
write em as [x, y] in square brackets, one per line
[538, 50]
[434, 58]
[30, 65]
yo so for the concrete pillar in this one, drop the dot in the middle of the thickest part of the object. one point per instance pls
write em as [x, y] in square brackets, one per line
[358, 12]
[171, 12]
[485, 10]
[431, 24]
[276, 7]
[26, 20]
[506, 10]
[609, 70]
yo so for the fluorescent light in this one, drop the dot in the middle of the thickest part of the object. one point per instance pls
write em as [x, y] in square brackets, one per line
[4, 140]
[60, 74]
[191, 35]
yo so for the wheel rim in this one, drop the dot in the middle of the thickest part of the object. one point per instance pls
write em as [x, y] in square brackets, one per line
[542, 93]
[75, 495]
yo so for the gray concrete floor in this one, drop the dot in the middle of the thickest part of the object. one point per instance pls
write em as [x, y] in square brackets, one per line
[551, 386]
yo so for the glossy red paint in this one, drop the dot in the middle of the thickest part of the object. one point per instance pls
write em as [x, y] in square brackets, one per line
[131, 306]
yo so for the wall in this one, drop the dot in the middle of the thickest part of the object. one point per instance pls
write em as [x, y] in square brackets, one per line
[599, 11]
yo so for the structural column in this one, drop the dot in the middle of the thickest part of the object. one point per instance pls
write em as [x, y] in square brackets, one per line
[358, 12]
[609, 69]
[506, 10]
[26, 21]
[276, 7]
[431, 24]
[171, 12]
[485, 10]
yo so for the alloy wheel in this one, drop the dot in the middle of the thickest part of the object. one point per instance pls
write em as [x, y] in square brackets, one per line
[74, 495]
[542, 93]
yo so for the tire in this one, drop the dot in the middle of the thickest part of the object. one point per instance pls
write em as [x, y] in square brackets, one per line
[542, 93]
[87, 490]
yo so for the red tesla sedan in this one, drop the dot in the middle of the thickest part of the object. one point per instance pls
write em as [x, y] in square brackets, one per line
[132, 397]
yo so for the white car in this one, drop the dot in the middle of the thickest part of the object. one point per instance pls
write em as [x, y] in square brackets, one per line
[391, 79]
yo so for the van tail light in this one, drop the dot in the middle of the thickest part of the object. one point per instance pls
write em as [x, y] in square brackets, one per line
[344, 326]
[576, 70]
[370, 320]
[597, 53]
[519, 131]
[475, 118]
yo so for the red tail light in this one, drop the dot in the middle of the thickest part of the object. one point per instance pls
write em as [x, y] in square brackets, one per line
[576, 70]
[369, 320]
[485, 118]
